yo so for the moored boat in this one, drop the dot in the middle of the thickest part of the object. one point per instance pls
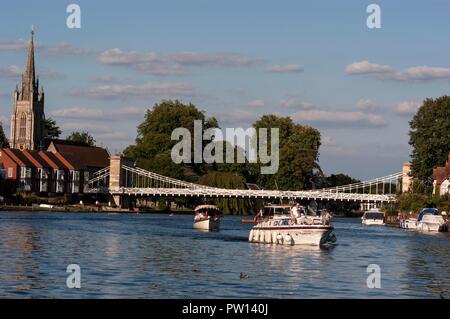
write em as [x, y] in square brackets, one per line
[409, 223]
[373, 217]
[207, 217]
[430, 220]
[286, 225]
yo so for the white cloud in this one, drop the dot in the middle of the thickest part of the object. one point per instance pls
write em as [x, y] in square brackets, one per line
[98, 115]
[407, 107]
[170, 63]
[421, 73]
[15, 72]
[339, 118]
[386, 72]
[236, 118]
[256, 103]
[127, 91]
[289, 68]
[10, 72]
[367, 105]
[365, 67]
[212, 59]
[66, 49]
[104, 132]
[294, 102]
[8, 45]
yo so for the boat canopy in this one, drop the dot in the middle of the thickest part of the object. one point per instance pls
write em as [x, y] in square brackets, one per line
[428, 211]
[211, 207]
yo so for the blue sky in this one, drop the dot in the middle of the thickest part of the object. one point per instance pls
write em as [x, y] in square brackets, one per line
[313, 60]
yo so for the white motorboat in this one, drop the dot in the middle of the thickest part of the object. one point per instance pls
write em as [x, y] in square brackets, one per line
[373, 217]
[409, 223]
[430, 220]
[286, 225]
[207, 217]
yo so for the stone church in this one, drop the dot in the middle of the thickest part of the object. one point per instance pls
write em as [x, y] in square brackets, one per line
[27, 118]
[38, 164]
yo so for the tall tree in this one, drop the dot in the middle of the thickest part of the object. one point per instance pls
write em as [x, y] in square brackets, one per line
[154, 143]
[81, 137]
[298, 153]
[230, 181]
[51, 130]
[3, 140]
[430, 137]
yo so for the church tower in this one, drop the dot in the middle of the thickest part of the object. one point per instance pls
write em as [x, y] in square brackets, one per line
[27, 118]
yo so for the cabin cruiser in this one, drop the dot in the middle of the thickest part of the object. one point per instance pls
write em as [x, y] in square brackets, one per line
[207, 217]
[286, 225]
[373, 217]
[429, 220]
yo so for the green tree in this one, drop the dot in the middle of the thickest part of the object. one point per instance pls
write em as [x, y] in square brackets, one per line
[154, 138]
[3, 140]
[430, 137]
[339, 180]
[81, 137]
[230, 181]
[51, 130]
[298, 153]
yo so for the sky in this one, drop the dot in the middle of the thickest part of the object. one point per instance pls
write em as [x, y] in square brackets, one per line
[316, 61]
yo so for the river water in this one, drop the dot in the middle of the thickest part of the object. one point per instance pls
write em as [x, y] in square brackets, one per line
[161, 256]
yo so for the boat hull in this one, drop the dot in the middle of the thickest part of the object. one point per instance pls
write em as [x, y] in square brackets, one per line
[431, 227]
[371, 222]
[408, 224]
[292, 235]
[207, 224]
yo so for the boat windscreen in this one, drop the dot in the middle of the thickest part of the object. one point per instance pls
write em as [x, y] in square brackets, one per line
[374, 215]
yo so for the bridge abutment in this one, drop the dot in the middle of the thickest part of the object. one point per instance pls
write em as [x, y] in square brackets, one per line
[117, 180]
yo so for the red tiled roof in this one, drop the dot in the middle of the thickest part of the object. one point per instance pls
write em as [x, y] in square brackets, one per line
[36, 159]
[89, 156]
[70, 160]
[25, 162]
[52, 160]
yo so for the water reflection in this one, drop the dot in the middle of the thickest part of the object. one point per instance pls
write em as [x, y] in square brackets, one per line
[157, 256]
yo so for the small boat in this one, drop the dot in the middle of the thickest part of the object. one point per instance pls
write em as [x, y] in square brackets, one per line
[286, 225]
[409, 223]
[373, 217]
[430, 220]
[207, 217]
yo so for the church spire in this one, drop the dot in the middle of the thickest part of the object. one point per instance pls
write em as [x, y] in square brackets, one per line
[30, 72]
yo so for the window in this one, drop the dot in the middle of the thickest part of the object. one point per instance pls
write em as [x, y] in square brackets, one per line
[10, 172]
[23, 126]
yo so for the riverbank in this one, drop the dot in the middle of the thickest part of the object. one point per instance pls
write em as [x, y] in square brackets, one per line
[90, 209]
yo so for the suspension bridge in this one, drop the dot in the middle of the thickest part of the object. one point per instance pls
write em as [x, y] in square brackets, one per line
[123, 179]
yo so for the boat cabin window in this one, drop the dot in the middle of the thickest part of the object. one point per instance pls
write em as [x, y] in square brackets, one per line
[374, 215]
[276, 210]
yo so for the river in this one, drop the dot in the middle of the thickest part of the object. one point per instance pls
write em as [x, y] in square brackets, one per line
[161, 256]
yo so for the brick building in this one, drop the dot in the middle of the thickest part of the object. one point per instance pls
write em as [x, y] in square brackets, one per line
[441, 177]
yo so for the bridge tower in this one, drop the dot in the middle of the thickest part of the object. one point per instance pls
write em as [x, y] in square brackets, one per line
[117, 179]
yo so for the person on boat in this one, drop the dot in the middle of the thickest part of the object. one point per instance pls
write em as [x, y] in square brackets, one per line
[259, 215]
[295, 211]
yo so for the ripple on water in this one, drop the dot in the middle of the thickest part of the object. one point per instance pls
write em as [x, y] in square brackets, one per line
[156, 256]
